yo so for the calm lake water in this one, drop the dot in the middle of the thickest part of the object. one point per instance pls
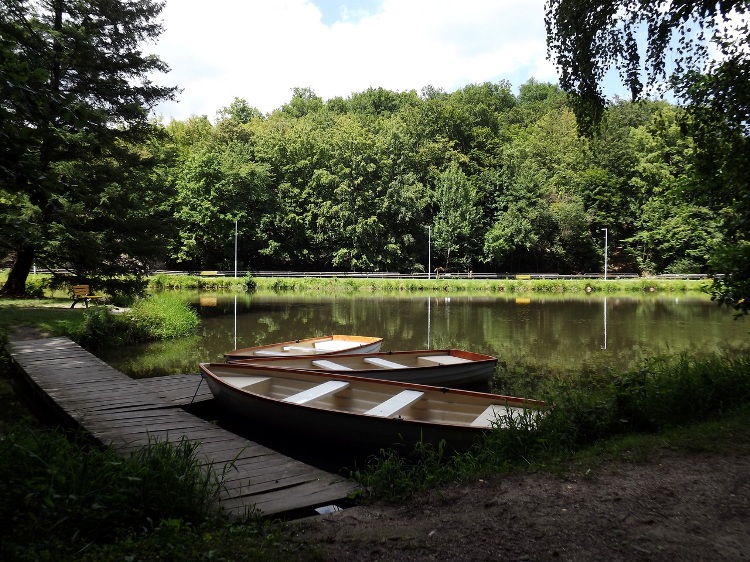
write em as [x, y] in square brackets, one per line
[533, 337]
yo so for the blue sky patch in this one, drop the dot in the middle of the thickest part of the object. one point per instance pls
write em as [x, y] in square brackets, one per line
[350, 11]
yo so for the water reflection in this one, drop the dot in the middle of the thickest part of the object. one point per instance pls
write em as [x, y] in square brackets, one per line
[532, 337]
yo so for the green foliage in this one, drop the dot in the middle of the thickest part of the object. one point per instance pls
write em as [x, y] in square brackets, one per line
[701, 51]
[214, 184]
[396, 477]
[37, 285]
[455, 285]
[62, 495]
[156, 317]
[456, 224]
[505, 181]
[664, 394]
[732, 288]
[163, 316]
[162, 281]
[76, 189]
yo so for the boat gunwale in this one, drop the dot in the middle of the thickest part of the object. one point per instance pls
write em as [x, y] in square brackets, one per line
[497, 399]
[247, 352]
[268, 361]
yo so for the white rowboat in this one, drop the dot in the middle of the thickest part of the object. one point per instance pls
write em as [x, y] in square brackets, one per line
[439, 367]
[330, 345]
[360, 412]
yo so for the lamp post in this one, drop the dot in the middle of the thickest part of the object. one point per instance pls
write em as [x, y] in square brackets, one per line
[235, 250]
[605, 252]
[429, 251]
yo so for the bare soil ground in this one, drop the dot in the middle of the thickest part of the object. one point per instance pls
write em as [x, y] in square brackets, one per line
[676, 506]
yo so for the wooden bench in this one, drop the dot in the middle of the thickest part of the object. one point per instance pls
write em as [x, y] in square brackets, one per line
[317, 392]
[302, 349]
[244, 382]
[395, 404]
[437, 360]
[83, 293]
[383, 363]
[333, 345]
[330, 365]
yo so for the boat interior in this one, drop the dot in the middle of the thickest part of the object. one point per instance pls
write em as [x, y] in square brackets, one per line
[360, 362]
[374, 399]
[319, 347]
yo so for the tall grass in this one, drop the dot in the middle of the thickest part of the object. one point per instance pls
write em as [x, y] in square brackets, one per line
[664, 394]
[58, 494]
[155, 317]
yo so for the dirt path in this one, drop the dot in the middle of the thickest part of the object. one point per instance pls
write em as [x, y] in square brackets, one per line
[677, 507]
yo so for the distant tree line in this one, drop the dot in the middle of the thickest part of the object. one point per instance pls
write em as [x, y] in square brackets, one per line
[504, 182]
[498, 181]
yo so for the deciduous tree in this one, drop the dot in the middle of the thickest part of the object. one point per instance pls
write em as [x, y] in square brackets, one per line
[701, 49]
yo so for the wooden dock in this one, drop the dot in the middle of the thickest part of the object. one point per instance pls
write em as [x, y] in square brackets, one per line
[126, 414]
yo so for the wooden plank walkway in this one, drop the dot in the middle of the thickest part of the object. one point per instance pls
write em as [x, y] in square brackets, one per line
[179, 390]
[125, 414]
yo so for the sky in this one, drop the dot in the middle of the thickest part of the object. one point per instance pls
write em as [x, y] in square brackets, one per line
[259, 50]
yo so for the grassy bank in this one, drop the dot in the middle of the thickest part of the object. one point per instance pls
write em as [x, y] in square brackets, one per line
[162, 282]
[509, 287]
[692, 404]
[156, 317]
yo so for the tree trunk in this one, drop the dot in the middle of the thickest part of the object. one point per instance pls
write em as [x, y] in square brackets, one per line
[15, 285]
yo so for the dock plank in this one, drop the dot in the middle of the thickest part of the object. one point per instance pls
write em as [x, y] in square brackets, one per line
[128, 414]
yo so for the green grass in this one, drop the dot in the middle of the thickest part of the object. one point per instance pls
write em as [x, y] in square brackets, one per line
[51, 316]
[75, 494]
[38, 285]
[685, 403]
[64, 499]
[152, 318]
[507, 287]
[201, 283]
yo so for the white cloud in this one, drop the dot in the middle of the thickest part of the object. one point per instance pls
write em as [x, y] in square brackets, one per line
[259, 50]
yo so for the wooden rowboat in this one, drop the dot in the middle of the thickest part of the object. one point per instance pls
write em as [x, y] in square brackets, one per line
[439, 367]
[331, 345]
[359, 412]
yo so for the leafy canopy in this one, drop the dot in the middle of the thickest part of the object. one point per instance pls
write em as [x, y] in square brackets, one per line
[76, 183]
[699, 49]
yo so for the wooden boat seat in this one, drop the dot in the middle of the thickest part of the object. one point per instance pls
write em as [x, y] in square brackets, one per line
[395, 404]
[317, 392]
[384, 363]
[434, 360]
[334, 345]
[330, 365]
[244, 381]
[306, 349]
[493, 414]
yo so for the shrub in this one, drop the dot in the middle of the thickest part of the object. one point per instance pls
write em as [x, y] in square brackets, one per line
[162, 316]
[156, 317]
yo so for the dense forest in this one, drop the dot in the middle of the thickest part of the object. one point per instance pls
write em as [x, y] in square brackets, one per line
[492, 177]
[504, 182]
